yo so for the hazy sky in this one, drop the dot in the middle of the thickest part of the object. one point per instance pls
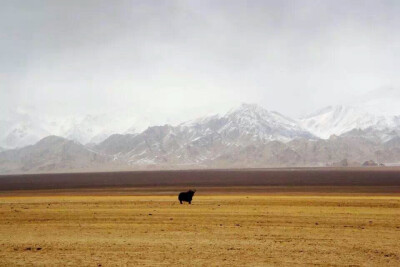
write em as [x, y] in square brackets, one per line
[177, 59]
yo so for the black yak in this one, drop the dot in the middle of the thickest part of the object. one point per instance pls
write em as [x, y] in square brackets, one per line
[186, 196]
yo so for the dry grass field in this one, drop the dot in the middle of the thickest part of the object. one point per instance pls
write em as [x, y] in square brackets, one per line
[222, 227]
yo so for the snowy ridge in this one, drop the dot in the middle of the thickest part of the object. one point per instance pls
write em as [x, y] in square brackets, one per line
[261, 124]
[22, 129]
[337, 120]
[204, 139]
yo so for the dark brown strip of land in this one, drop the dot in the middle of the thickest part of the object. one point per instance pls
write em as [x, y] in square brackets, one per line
[207, 178]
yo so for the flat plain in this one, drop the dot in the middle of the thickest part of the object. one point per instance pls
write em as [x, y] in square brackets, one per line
[236, 226]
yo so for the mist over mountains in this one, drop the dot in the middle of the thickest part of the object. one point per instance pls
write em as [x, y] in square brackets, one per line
[246, 136]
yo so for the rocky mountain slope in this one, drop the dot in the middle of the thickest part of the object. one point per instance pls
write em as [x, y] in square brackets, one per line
[52, 153]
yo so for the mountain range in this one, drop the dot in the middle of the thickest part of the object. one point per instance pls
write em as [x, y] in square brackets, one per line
[246, 136]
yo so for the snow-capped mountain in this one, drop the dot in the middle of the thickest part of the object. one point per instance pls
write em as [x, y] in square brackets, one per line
[19, 130]
[90, 128]
[249, 122]
[204, 139]
[337, 120]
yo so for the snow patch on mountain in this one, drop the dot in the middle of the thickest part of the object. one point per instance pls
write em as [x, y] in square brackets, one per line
[21, 128]
[261, 124]
[337, 120]
[243, 124]
[204, 139]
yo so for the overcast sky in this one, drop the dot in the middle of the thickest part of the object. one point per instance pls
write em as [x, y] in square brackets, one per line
[179, 59]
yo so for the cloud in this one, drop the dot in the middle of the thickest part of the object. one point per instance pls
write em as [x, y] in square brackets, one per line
[178, 59]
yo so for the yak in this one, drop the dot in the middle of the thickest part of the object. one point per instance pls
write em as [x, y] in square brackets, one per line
[186, 196]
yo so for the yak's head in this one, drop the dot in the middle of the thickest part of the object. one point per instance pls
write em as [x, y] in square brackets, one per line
[192, 191]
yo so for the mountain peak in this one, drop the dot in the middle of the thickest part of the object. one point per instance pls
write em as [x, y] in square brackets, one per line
[253, 120]
[51, 140]
[255, 114]
[247, 107]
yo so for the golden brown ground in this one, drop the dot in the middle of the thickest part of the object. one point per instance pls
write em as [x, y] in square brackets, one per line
[219, 228]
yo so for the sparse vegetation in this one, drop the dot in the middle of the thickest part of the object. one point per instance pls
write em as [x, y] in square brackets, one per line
[222, 227]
